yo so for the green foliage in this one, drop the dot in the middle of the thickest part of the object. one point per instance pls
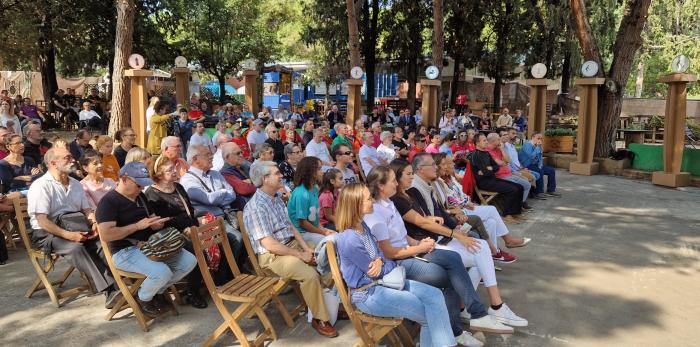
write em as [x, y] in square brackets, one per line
[286, 19]
[326, 34]
[560, 132]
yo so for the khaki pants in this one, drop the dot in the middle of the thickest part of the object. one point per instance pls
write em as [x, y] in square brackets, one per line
[528, 176]
[290, 267]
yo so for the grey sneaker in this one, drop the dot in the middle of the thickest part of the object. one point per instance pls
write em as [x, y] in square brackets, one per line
[489, 324]
[466, 339]
[506, 316]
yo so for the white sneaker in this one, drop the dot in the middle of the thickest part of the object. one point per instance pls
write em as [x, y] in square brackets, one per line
[489, 324]
[465, 316]
[466, 339]
[506, 316]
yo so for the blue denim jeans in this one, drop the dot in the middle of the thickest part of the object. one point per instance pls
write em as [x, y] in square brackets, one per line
[445, 269]
[159, 275]
[551, 178]
[419, 302]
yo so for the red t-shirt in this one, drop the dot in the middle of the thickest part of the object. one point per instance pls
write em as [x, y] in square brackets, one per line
[243, 144]
[195, 114]
[503, 170]
[325, 200]
[413, 153]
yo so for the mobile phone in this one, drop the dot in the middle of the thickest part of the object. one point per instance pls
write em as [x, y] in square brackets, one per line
[421, 258]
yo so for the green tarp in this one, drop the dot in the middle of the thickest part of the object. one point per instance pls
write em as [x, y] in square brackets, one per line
[651, 158]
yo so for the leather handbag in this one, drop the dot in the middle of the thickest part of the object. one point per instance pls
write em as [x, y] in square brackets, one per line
[395, 279]
[73, 221]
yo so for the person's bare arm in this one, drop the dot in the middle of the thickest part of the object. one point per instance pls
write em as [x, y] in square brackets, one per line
[392, 252]
[417, 219]
[111, 232]
[308, 226]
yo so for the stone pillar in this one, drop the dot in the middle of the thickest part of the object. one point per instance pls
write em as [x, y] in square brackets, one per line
[674, 131]
[537, 115]
[430, 107]
[354, 100]
[252, 98]
[139, 103]
[587, 120]
[182, 86]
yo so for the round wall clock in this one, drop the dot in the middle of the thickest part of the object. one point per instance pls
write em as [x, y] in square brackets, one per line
[432, 72]
[356, 72]
[136, 61]
[589, 69]
[180, 61]
[680, 64]
[538, 70]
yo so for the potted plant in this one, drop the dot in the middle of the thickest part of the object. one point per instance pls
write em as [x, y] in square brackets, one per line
[560, 140]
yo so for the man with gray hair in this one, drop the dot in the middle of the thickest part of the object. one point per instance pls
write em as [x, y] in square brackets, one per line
[319, 149]
[496, 149]
[171, 148]
[219, 140]
[234, 173]
[278, 244]
[263, 152]
[369, 158]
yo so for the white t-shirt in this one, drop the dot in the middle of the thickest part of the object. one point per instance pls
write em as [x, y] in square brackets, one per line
[387, 153]
[87, 115]
[365, 153]
[203, 140]
[318, 150]
[149, 113]
[255, 138]
[218, 161]
[385, 223]
[48, 196]
[349, 176]
[17, 127]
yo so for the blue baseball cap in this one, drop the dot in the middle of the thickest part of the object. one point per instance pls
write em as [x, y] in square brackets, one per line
[137, 171]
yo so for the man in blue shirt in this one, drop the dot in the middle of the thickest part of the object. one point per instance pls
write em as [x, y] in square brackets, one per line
[531, 157]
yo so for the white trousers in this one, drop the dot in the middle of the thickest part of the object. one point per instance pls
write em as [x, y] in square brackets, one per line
[480, 262]
[493, 222]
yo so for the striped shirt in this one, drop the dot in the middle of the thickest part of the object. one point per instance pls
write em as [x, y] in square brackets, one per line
[264, 216]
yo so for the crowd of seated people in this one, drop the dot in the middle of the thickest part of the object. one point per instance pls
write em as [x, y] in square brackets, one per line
[409, 208]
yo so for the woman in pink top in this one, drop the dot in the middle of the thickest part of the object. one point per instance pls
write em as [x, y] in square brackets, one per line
[434, 146]
[332, 183]
[94, 184]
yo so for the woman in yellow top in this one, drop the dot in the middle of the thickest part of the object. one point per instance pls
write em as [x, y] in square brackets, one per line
[110, 166]
[159, 127]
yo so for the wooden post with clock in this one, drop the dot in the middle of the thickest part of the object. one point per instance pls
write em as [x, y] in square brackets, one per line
[139, 103]
[251, 78]
[429, 101]
[674, 125]
[587, 120]
[537, 114]
[182, 82]
[354, 83]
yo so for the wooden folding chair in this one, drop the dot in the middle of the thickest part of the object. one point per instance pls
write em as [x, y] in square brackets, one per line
[281, 283]
[8, 231]
[129, 284]
[251, 292]
[370, 329]
[486, 197]
[37, 257]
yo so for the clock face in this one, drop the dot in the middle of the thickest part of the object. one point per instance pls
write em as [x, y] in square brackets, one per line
[356, 72]
[136, 61]
[538, 70]
[249, 64]
[180, 61]
[589, 69]
[680, 64]
[432, 72]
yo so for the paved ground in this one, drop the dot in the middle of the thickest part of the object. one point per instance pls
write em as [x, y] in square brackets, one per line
[613, 263]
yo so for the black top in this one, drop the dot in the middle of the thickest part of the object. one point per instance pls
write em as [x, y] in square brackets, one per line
[405, 204]
[399, 144]
[77, 150]
[481, 160]
[287, 173]
[120, 153]
[307, 137]
[115, 207]
[278, 147]
[8, 172]
[170, 205]
[36, 151]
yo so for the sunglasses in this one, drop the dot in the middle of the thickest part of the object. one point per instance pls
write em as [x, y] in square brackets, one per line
[346, 153]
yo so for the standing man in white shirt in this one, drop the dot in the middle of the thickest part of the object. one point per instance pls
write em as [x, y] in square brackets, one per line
[256, 135]
[201, 138]
[219, 141]
[368, 154]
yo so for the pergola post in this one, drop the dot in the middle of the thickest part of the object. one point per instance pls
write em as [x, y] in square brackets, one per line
[674, 131]
[139, 103]
[182, 86]
[587, 121]
[252, 99]
[537, 114]
[429, 101]
[354, 100]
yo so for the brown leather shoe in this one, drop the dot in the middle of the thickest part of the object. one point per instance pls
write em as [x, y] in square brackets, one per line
[324, 328]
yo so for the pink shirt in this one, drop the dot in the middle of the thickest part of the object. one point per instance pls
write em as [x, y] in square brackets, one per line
[432, 149]
[503, 170]
[325, 200]
[95, 191]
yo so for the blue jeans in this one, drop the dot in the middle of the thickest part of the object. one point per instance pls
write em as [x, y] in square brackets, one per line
[418, 302]
[522, 182]
[159, 275]
[445, 270]
[551, 178]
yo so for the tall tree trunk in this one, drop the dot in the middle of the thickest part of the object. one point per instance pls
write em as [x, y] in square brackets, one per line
[327, 96]
[371, 51]
[47, 55]
[353, 34]
[454, 86]
[222, 86]
[438, 44]
[497, 85]
[412, 75]
[639, 82]
[566, 72]
[121, 112]
[627, 42]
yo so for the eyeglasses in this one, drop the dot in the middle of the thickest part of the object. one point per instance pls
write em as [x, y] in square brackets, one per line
[346, 153]
[129, 135]
[430, 165]
[296, 152]
[15, 143]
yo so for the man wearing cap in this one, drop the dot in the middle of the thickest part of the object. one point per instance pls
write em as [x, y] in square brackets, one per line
[55, 194]
[256, 135]
[124, 219]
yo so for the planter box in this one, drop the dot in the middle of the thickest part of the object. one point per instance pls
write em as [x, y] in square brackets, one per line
[559, 144]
